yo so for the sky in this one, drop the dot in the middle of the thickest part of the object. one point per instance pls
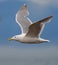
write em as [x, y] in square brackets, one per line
[15, 52]
[38, 9]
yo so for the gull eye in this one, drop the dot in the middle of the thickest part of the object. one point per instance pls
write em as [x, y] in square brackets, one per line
[15, 37]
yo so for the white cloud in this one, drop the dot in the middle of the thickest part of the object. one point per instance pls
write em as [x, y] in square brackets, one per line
[41, 2]
[45, 2]
[2, 0]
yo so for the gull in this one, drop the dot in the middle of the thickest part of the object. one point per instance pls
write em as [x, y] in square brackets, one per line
[30, 31]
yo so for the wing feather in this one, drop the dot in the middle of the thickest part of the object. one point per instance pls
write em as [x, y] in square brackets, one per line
[22, 19]
[36, 28]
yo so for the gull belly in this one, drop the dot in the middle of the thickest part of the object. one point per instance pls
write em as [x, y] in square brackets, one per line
[30, 40]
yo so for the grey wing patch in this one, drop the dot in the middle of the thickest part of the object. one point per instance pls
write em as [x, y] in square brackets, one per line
[36, 28]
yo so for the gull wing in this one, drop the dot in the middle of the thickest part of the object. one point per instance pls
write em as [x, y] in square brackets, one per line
[36, 28]
[22, 19]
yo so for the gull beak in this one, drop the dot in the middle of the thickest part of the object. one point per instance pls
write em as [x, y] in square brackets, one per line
[11, 39]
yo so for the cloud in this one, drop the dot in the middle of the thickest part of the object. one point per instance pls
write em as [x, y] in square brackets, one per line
[11, 0]
[5, 1]
[41, 2]
[2, 0]
[45, 2]
[29, 56]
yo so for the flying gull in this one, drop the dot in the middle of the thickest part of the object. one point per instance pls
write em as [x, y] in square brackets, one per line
[30, 31]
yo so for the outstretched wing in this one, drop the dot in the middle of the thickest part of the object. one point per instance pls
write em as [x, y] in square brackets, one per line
[22, 19]
[36, 28]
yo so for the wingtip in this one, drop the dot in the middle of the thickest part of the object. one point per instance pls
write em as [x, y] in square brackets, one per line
[50, 16]
[25, 5]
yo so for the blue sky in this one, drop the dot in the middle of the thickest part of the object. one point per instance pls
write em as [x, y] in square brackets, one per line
[16, 53]
[38, 9]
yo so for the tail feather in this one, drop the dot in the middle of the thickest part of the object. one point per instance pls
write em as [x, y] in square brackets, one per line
[44, 40]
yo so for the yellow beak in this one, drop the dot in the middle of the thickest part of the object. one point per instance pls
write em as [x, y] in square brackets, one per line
[11, 39]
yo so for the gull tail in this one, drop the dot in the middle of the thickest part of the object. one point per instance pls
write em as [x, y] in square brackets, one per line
[44, 40]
